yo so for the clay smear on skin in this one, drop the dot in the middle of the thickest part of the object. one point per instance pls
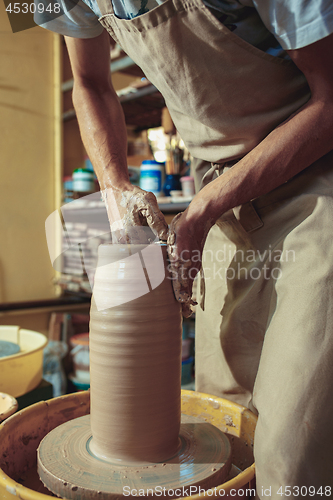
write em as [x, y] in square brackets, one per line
[141, 208]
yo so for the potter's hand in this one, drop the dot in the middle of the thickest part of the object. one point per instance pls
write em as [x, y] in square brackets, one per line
[186, 239]
[131, 213]
[184, 250]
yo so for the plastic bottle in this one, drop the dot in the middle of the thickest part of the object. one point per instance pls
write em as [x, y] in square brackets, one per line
[151, 176]
[83, 181]
[188, 186]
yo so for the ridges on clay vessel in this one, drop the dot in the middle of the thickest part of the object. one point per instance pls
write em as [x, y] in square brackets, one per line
[135, 356]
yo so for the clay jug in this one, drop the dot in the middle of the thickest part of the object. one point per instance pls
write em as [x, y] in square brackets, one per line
[135, 356]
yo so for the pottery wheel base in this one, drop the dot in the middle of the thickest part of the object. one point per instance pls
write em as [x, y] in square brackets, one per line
[68, 469]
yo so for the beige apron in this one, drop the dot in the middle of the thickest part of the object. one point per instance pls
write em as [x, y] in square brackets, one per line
[268, 264]
[211, 79]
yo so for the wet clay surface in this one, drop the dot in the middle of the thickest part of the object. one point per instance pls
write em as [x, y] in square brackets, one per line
[135, 356]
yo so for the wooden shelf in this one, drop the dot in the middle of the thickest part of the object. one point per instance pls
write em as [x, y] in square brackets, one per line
[142, 108]
[123, 64]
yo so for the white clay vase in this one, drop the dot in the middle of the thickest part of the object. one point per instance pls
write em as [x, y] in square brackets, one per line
[135, 356]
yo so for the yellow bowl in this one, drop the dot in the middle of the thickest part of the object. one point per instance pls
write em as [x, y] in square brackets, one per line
[29, 426]
[22, 372]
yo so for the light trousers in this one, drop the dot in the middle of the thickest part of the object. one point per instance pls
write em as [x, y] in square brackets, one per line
[264, 331]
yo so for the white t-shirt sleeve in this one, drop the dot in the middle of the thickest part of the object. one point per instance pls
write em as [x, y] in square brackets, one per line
[77, 21]
[296, 23]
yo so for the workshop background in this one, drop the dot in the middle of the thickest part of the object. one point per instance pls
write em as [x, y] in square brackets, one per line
[45, 167]
[52, 221]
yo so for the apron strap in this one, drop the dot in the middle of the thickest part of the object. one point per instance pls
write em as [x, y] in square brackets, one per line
[105, 6]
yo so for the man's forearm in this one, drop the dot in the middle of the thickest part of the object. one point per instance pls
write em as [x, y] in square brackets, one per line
[290, 148]
[103, 130]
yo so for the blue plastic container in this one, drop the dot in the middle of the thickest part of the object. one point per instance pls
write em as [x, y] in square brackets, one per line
[151, 176]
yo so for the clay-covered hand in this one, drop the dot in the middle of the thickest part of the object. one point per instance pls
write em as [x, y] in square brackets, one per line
[185, 245]
[134, 216]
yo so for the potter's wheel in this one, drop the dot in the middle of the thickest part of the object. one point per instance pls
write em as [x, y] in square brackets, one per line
[135, 419]
[68, 468]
